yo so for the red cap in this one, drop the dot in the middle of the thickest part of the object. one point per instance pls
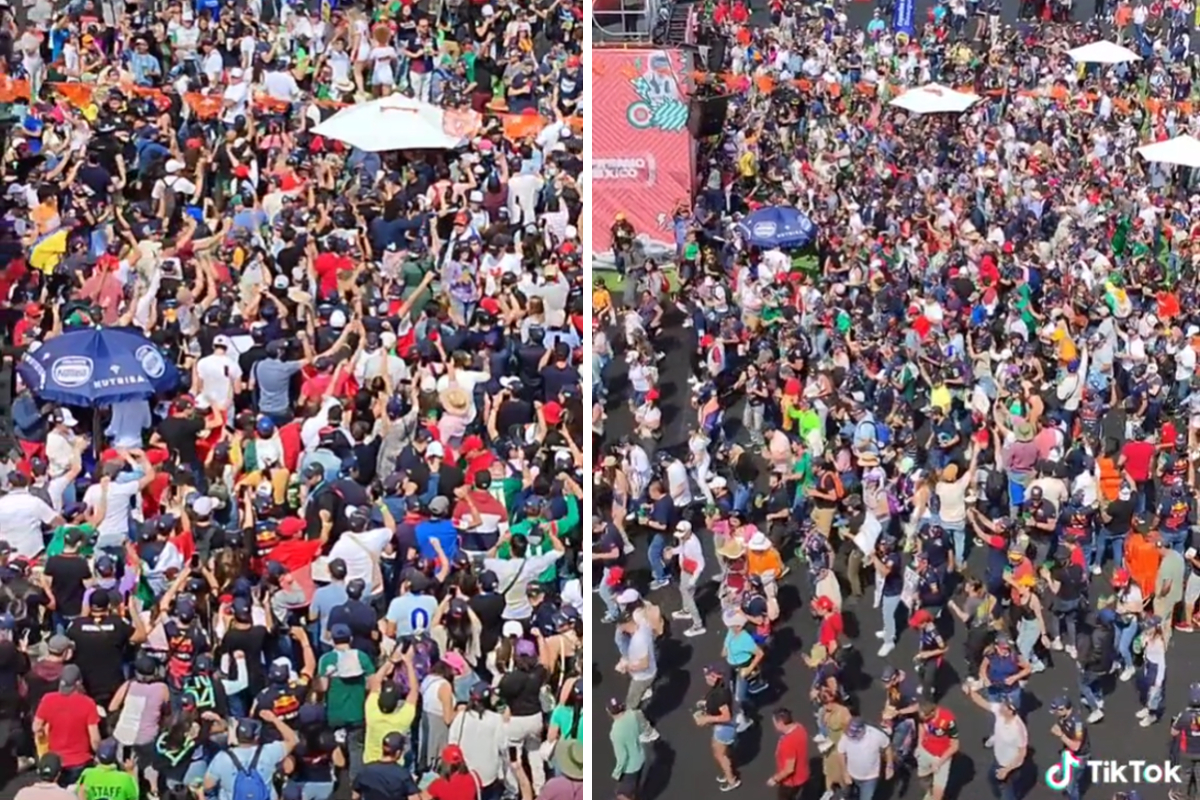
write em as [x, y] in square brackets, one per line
[491, 305]
[453, 754]
[472, 443]
[573, 62]
[33, 309]
[615, 576]
[291, 527]
[653, 394]
[553, 412]
[707, 340]
[241, 171]
[823, 603]
[920, 618]
[1120, 577]
[791, 387]
[461, 218]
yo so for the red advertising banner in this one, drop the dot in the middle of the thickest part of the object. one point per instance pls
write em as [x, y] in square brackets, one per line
[641, 149]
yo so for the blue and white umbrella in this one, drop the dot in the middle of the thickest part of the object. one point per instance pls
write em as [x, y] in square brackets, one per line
[778, 226]
[96, 367]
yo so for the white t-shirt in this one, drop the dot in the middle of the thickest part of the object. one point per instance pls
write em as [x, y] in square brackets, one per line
[356, 549]
[218, 372]
[691, 550]
[864, 757]
[21, 519]
[678, 485]
[1009, 737]
[641, 648]
[59, 453]
[176, 183]
[238, 95]
[114, 528]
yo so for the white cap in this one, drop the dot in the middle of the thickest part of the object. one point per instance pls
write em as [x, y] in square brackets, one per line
[337, 319]
[488, 11]
[236, 72]
[512, 628]
[173, 165]
[683, 528]
[67, 418]
[717, 483]
[223, 341]
[435, 449]
[203, 506]
[475, 196]
[628, 596]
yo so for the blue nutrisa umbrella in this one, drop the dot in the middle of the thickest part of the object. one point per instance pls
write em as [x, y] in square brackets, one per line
[96, 367]
[778, 226]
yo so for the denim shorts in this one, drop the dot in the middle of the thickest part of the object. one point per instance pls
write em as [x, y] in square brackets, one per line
[724, 733]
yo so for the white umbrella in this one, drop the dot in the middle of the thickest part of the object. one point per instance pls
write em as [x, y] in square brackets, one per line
[395, 122]
[1102, 53]
[934, 98]
[1182, 151]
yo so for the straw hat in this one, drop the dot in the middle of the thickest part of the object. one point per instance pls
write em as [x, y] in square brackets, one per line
[568, 757]
[868, 460]
[950, 473]
[456, 401]
[1024, 432]
[732, 549]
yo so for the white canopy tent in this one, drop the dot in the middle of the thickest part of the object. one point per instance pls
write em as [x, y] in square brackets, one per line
[1182, 151]
[1102, 53]
[395, 122]
[934, 98]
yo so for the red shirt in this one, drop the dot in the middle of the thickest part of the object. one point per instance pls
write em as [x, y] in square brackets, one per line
[831, 628]
[456, 787]
[69, 716]
[1138, 456]
[940, 732]
[793, 746]
[327, 267]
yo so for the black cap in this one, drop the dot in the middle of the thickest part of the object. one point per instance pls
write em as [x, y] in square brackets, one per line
[356, 588]
[108, 751]
[337, 569]
[279, 673]
[488, 580]
[49, 766]
[393, 743]
[100, 599]
[248, 730]
[242, 609]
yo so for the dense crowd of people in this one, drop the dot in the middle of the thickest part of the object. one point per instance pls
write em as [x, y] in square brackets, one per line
[966, 414]
[316, 532]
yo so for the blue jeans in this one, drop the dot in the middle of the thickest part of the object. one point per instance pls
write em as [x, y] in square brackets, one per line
[1117, 541]
[607, 597]
[316, 791]
[658, 567]
[889, 607]
[1089, 690]
[958, 533]
[1176, 540]
[866, 789]
[1005, 789]
[998, 692]
[1126, 633]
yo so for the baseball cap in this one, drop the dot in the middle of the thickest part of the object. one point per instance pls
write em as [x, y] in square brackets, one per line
[49, 766]
[920, 618]
[453, 754]
[393, 743]
[58, 644]
[108, 751]
[340, 632]
[203, 506]
[70, 678]
[439, 505]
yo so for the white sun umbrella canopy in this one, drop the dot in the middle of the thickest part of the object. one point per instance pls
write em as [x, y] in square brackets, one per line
[395, 122]
[1182, 151]
[1102, 53]
[934, 98]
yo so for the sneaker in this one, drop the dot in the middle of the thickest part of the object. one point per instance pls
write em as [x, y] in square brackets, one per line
[887, 648]
[1187, 627]
[828, 795]
[1096, 570]
[1147, 721]
[729, 787]
[1128, 673]
[880, 635]
[820, 738]
[744, 724]
[988, 742]
[608, 619]
[1142, 713]
[1038, 666]
[1056, 644]
[681, 614]
[1071, 651]
[721, 779]
[656, 585]
[1096, 716]
[629, 548]
[687, 323]
[695, 630]
[647, 738]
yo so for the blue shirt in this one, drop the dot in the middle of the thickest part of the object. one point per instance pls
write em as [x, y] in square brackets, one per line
[441, 529]
[222, 771]
[325, 599]
[740, 647]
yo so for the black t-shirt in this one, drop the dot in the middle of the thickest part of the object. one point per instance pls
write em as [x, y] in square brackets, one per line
[67, 576]
[326, 499]
[362, 622]
[609, 540]
[385, 780]
[283, 701]
[250, 641]
[825, 483]
[1070, 582]
[489, 607]
[1121, 517]
[100, 644]
[314, 757]
[521, 691]
[180, 434]
[718, 696]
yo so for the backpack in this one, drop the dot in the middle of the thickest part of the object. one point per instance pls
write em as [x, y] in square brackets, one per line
[248, 784]
[425, 655]
[883, 434]
[839, 490]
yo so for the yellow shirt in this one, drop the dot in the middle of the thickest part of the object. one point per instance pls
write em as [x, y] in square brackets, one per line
[380, 725]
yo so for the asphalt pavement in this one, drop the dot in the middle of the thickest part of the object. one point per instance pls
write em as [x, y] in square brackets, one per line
[682, 767]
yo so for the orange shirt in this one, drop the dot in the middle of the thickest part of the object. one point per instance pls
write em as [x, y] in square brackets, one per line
[1110, 478]
[1141, 559]
[759, 563]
